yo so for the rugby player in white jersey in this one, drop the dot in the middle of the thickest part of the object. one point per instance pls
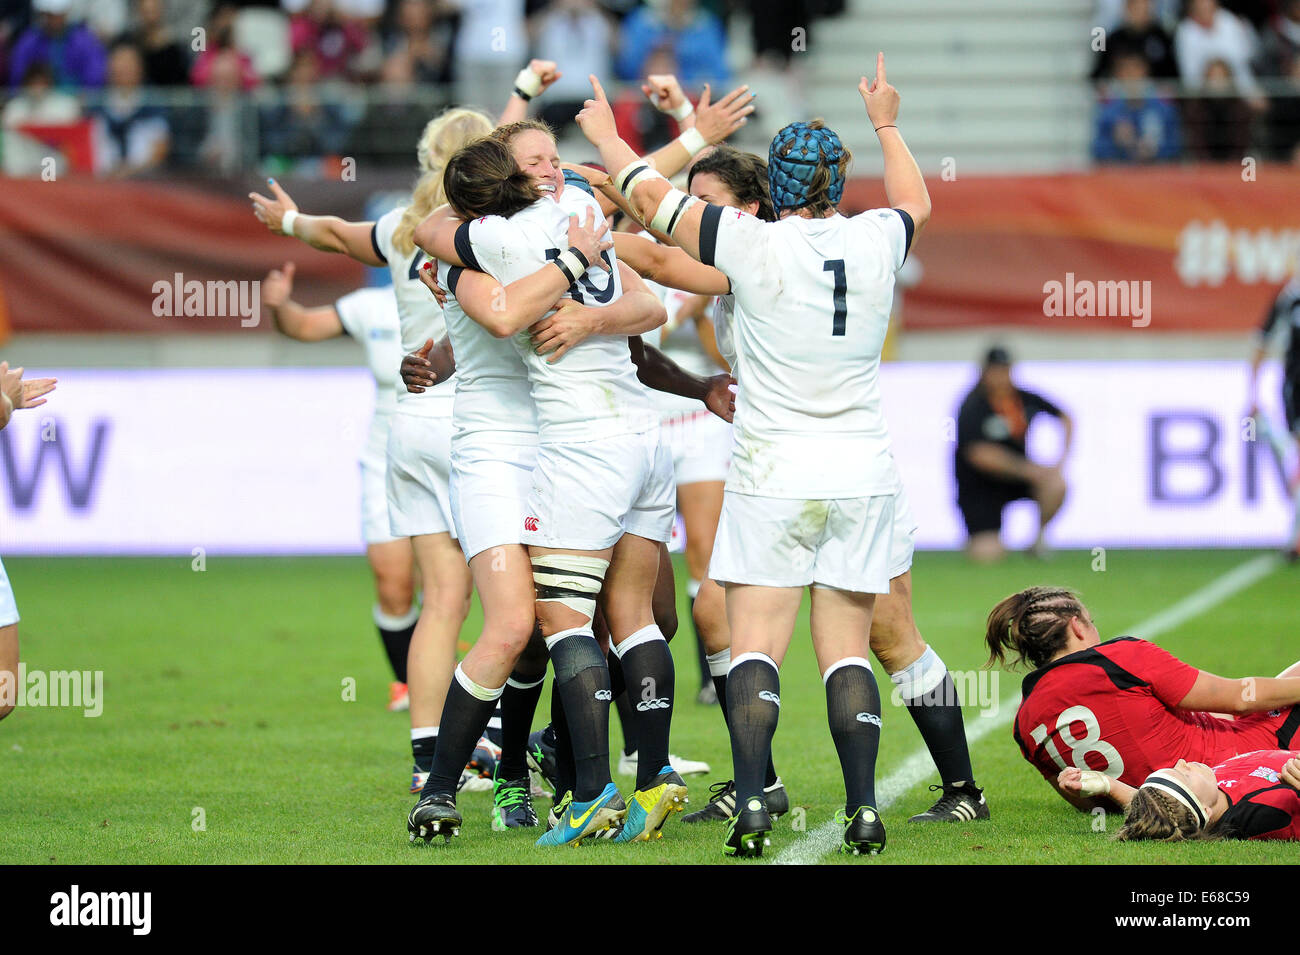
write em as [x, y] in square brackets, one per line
[15, 394]
[601, 488]
[811, 495]
[419, 505]
[369, 317]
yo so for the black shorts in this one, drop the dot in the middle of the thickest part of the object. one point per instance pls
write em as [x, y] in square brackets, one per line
[981, 502]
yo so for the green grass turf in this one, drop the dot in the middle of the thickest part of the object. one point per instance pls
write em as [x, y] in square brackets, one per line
[224, 691]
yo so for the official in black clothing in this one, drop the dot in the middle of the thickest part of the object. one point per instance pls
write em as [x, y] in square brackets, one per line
[1283, 318]
[991, 463]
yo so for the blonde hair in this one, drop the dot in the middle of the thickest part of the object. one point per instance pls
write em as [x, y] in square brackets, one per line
[443, 136]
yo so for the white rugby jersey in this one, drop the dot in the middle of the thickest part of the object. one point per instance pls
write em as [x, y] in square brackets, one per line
[724, 321]
[592, 392]
[421, 318]
[369, 315]
[812, 308]
[494, 400]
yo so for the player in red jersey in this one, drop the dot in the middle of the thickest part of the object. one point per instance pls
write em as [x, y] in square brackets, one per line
[1254, 796]
[1126, 707]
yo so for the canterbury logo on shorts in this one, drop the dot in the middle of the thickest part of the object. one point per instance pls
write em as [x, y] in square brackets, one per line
[657, 704]
[769, 696]
[604, 695]
[530, 523]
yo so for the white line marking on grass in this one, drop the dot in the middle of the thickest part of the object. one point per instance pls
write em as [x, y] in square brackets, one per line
[918, 766]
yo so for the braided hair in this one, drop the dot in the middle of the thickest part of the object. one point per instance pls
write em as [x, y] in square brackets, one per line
[1034, 623]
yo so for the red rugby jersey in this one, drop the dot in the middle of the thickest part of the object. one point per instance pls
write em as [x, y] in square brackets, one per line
[1113, 708]
[1263, 807]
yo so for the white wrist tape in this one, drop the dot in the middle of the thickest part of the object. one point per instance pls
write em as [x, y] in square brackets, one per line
[1095, 783]
[681, 112]
[287, 220]
[670, 210]
[693, 141]
[572, 264]
[638, 170]
[528, 84]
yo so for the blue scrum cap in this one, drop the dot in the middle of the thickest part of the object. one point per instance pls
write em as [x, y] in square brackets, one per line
[572, 178]
[789, 175]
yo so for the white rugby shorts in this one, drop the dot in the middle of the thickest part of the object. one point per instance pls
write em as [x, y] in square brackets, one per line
[419, 469]
[586, 495]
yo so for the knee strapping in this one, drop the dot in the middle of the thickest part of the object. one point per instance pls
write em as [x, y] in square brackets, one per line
[573, 580]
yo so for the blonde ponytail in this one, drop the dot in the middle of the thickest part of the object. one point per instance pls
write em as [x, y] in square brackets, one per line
[443, 136]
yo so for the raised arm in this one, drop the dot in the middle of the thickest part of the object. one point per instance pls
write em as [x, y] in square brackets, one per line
[327, 233]
[531, 82]
[904, 184]
[702, 126]
[16, 394]
[295, 320]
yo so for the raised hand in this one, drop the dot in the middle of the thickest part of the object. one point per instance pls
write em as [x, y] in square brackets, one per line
[717, 121]
[546, 71]
[664, 92]
[596, 119]
[590, 237]
[11, 384]
[277, 287]
[271, 211]
[417, 370]
[881, 99]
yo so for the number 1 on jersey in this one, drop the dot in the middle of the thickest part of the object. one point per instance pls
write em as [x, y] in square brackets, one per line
[836, 266]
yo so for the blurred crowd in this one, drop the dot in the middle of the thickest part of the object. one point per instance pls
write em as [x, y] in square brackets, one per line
[1210, 80]
[129, 86]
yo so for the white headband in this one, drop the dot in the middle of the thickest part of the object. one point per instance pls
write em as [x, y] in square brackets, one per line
[1167, 782]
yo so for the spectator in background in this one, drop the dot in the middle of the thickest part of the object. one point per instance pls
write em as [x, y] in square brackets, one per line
[304, 127]
[1284, 119]
[696, 38]
[1282, 40]
[335, 41]
[581, 39]
[491, 46]
[166, 62]
[1209, 33]
[640, 124]
[394, 119]
[992, 465]
[1134, 124]
[1139, 33]
[131, 135]
[74, 54]
[38, 103]
[218, 41]
[422, 33]
[223, 148]
[1109, 14]
[1218, 120]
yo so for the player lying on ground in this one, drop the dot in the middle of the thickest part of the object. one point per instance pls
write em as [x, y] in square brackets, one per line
[596, 500]
[15, 395]
[727, 177]
[1125, 707]
[808, 393]
[369, 316]
[1253, 796]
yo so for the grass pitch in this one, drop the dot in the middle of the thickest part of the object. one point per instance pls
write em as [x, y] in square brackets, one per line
[226, 737]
